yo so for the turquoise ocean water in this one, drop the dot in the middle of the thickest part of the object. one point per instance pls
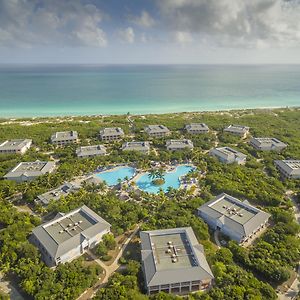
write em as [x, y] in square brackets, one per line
[87, 90]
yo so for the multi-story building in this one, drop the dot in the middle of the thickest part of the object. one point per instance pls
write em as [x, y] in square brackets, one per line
[157, 131]
[267, 144]
[27, 171]
[228, 155]
[143, 147]
[111, 134]
[17, 146]
[239, 130]
[55, 194]
[90, 151]
[289, 169]
[174, 262]
[175, 145]
[64, 138]
[237, 219]
[68, 236]
[196, 128]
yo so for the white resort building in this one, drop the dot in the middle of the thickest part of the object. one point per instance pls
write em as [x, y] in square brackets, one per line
[174, 262]
[90, 151]
[111, 134]
[228, 155]
[175, 145]
[237, 219]
[239, 130]
[143, 147]
[69, 235]
[64, 138]
[157, 131]
[267, 144]
[16, 146]
[289, 169]
[196, 128]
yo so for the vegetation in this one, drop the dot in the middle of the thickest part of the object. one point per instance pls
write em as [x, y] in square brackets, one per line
[241, 273]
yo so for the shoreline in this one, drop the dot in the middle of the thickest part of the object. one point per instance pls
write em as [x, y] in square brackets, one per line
[217, 111]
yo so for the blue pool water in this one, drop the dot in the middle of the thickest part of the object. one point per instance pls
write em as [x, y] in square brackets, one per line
[171, 180]
[111, 177]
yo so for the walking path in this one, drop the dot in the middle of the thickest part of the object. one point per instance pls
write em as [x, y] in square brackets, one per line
[293, 291]
[108, 270]
[216, 237]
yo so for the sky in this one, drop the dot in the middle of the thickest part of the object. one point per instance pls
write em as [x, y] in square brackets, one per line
[150, 31]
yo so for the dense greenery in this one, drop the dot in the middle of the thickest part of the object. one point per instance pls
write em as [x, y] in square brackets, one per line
[241, 273]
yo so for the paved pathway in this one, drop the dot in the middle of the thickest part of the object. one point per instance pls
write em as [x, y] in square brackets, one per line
[9, 289]
[293, 291]
[108, 270]
[216, 237]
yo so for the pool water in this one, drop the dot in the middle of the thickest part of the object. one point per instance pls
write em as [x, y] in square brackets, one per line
[111, 177]
[172, 179]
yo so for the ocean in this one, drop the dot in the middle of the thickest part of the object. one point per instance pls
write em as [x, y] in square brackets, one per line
[58, 90]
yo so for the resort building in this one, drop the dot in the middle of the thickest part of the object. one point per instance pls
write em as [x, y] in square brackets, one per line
[174, 262]
[56, 194]
[196, 128]
[267, 144]
[157, 131]
[111, 134]
[17, 146]
[237, 219]
[289, 169]
[68, 236]
[90, 151]
[143, 147]
[64, 138]
[239, 130]
[228, 155]
[27, 171]
[174, 145]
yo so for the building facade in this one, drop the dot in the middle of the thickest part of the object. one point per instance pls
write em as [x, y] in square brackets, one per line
[196, 128]
[174, 262]
[90, 151]
[143, 147]
[228, 155]
[238, 130]
[289, 169]
[267, 144]
[111, 134]
[28, 171]
[176, 145]
[64, 138]
[237, 219]
[17, 146]
[157, 131]
[68, 236]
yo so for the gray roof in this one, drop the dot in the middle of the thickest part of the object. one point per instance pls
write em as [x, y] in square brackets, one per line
[291, 167]
[91, 150]
[111, 131]
[31, 169]
[179, 144]
[239, 216]
[64, 135]
[136, 146]
[15, 145]
[57, 193]
[158, 267]
[267, 143]
[58, 237]
[228, 153]
[152, 129]
[196, 127]
[237, 129]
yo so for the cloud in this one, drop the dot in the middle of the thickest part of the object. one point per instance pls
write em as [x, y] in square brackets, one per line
[127, 35]
[27, 23]
[239, 23]
[183, 37]
[144, 20]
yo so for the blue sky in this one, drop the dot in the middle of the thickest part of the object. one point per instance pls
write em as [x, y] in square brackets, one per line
[150, 31]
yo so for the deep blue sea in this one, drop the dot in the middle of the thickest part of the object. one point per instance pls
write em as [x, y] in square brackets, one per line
[88, 90]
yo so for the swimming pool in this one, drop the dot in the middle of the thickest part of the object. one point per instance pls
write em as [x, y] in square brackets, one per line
[111, 177]
[171, 180]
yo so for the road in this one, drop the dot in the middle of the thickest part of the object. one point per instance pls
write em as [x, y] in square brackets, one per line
[108, 270]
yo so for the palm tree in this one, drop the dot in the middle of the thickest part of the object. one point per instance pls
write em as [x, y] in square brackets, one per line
[152, 174]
